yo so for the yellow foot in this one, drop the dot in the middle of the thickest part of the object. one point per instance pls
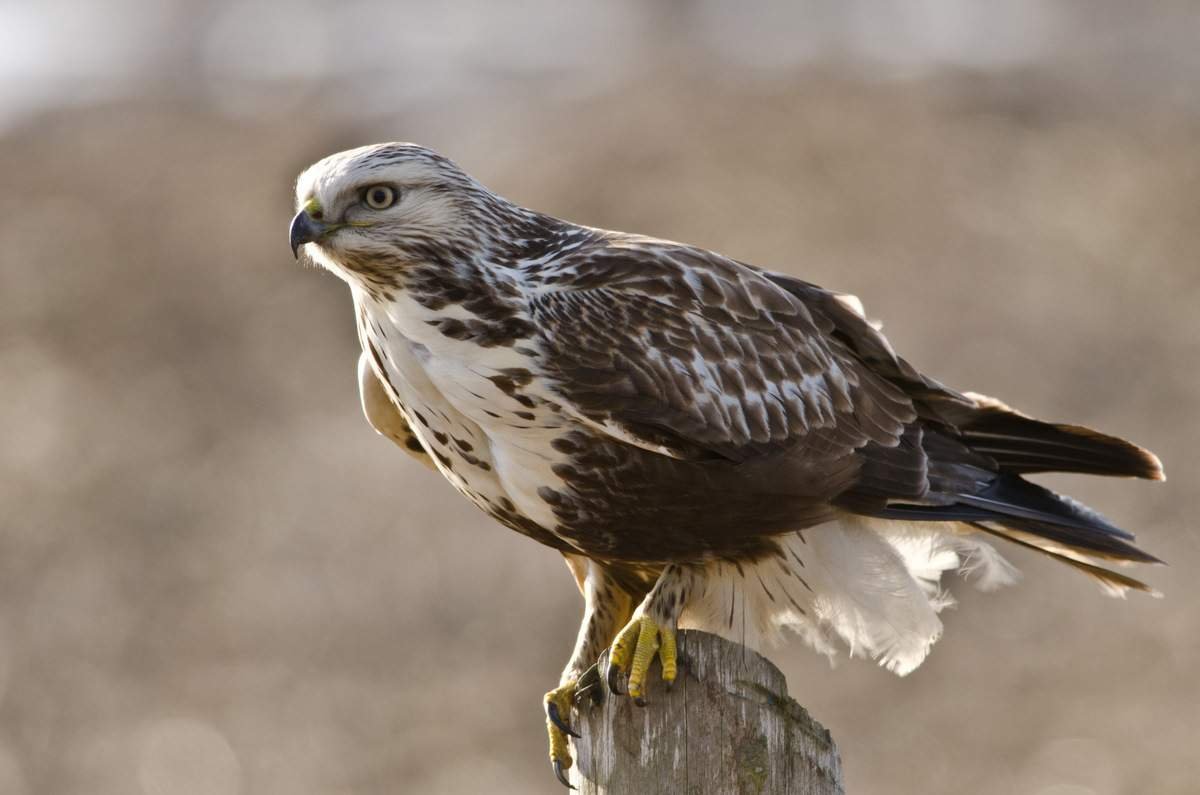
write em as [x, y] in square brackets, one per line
[635, 648]
[558, 703]
[558, 710]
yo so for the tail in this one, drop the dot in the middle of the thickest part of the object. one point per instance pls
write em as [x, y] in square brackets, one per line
[1021, 444]
[1037, 518]
[871, 578]
[1008, 506]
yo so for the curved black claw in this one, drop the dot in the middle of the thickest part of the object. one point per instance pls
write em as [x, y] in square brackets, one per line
[589, 686]
[561, 774]
[613, 677]
[557, 719]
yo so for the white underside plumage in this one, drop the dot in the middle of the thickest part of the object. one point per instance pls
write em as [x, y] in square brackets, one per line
[872, 585]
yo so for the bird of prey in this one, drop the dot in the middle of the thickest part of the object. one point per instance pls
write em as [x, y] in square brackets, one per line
[707, 443]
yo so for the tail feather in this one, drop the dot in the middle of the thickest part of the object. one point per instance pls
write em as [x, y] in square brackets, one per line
[1021, 444]
[1027, 508]
[1013, 497]
[1113, 583]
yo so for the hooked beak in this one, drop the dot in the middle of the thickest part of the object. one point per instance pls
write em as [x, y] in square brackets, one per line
[304, 230]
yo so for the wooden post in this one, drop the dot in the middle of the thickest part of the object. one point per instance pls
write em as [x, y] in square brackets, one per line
[727, 728]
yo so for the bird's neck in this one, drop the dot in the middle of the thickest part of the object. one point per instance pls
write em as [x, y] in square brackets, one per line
[461, 300]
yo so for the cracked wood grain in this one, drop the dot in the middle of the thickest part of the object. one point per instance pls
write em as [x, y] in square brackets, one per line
[728, 727]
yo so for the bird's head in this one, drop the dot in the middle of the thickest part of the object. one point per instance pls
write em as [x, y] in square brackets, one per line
[367, 213]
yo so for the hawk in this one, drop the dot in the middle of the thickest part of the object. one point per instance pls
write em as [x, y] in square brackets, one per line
[707, 443]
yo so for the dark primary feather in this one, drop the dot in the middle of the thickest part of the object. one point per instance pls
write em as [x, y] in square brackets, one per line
[1022, 444]
[681, 350]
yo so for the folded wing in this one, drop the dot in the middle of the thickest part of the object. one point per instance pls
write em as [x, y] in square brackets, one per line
[695, 356]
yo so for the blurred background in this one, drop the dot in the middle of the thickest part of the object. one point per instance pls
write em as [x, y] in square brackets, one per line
[215, 579]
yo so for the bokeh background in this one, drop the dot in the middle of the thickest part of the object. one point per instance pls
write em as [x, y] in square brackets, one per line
[215, 579]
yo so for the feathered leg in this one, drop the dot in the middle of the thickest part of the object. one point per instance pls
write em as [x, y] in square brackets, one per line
[607, 605]
[651, 633]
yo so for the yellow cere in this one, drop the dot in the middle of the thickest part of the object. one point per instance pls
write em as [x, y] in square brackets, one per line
[313, 208]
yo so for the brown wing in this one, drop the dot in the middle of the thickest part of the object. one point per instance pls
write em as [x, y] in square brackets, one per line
[383, 415]
[695, 355]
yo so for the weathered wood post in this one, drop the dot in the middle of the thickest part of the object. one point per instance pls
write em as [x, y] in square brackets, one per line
[727, 728]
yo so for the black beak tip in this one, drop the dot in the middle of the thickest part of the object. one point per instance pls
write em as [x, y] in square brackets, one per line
[303, 230]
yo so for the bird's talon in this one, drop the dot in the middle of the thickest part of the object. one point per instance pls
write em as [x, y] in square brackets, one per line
[589, 678]
[637, 645]
[613, 677]
[589, 686]
[593, 693]
[561, 774]
[555, 716]
[558, 709]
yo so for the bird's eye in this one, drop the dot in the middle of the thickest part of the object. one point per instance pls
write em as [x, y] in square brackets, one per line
[379, 197]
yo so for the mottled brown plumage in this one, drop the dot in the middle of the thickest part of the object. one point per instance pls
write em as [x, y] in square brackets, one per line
[706, 442]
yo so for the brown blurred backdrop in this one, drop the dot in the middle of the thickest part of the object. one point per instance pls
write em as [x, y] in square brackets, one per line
[215, 579]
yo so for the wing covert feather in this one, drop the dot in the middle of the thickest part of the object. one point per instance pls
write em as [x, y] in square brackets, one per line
[697, 355]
